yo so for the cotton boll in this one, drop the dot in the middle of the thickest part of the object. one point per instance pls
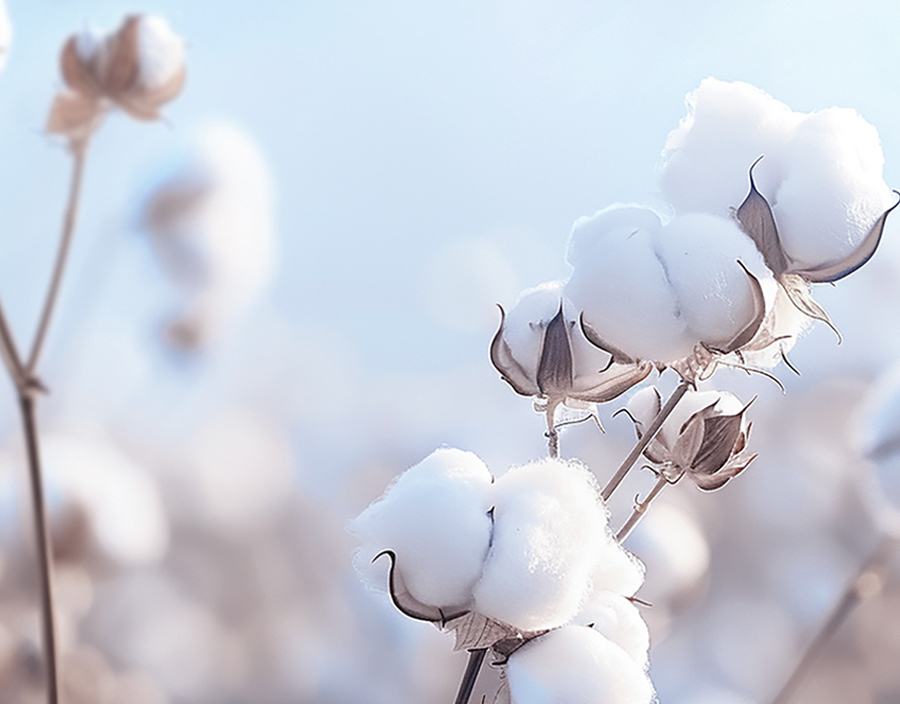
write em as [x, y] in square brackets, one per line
[122, 504]
[5, 35]
[548, 520]
[576, 665]
[708, 156]
[834, 191]
[211, 223]
[615, 569]
[435, 519]
[620, 284]
[700, 254]
[615, 617]
[161, 53]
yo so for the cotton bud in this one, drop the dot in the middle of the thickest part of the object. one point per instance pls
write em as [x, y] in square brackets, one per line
[139, 68]
[817, 201]
[576, 664]
[211, 222]
[705, 437]
[540, 351]
[663, 292]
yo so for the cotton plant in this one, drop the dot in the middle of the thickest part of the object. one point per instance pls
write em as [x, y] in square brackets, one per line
[763, 202]
[138, 69]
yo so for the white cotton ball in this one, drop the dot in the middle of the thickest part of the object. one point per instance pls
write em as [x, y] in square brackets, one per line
[161, 53]
[212, 225]
[692, 402]
[576, 665]
[707, 158]
[615, 569]
[435, 520]
[5, 34]
[548, 521]
[620, 284]
[525, 324]
[834, 191]
[616, 618]
[125, 513]
[700, 254]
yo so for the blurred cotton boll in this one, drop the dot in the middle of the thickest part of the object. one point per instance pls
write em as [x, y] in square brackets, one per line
[210, 218]
[576, 664]
[110, 496]
[5, 35]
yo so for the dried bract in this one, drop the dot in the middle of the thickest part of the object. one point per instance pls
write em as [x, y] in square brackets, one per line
[139, 68]
[709, 446]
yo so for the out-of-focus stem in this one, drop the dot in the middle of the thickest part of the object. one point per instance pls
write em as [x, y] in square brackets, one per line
[79, 151]
[10, 352]
[476, 658]
[866, 583]
[640, 508]
[645, 440]
[42, 535]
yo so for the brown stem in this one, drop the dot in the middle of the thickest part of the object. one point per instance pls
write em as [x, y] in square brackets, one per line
[79, 150]
[45, 550]
[476, 658]
[10, 352]
[645, 440]
[640, 508]
[866, 583]
[552, 432]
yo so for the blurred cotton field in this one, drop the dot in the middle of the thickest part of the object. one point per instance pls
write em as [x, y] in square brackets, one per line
[282, 294]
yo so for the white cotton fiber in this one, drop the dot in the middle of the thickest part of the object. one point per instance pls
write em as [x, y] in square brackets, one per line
[700, 253]
[161, 52]
[435, 519]
[833, 191]
[821, 172]
[576, 665]
[707, 158]
[548, 520]
[615, 617]
[615, 569]
[621, 286]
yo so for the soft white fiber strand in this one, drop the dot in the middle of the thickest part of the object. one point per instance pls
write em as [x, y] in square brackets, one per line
[576, 665]
[161, 52]
[547, 519]
[434, 517]
[615, 617]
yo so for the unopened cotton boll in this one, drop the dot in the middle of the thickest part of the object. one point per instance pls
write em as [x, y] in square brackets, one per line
[656, 291]
[211, 221]
[548, 519]
[576, 665]
[435, 519]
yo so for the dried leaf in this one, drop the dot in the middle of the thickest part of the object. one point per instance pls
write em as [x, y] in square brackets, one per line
[720, 435]
[759, 314]
[756, 219]
[797, 290]
[73, 115]
[503, 361]
[407, 604]
[76, 74]
[711, 482]
[689, 441]
[474, 631]
[862, 254]
[592, 336]
[614, 382]
[555, 369]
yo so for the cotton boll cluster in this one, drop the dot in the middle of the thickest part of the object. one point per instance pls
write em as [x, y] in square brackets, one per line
[821, 172]
[527, 549]
[139, 68]
[656, 291]
[210, 219]
[576, 664]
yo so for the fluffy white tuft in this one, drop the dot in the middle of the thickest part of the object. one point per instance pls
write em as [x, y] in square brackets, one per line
[161, 52]
[618, 619]
[435, 519]
[576, 665]
[548, 518]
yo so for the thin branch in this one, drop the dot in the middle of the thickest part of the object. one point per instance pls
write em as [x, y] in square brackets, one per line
[866, 583]
[10, 352]
[45, 550]
[79, 151]
[476, 658]
[645, 440]
[552, 433]
[640, 508]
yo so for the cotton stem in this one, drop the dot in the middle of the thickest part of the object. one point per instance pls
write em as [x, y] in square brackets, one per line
[476, 658]
[552, 432]
[865, 584]
[645, 440]
[640, 508]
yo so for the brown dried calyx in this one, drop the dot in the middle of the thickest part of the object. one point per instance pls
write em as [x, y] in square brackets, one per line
[139, 68]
